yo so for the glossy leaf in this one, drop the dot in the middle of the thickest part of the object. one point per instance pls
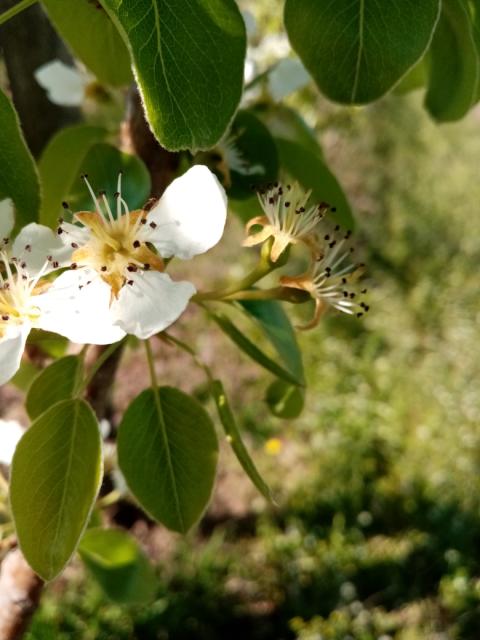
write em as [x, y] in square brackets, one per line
[18, 174]
[454, 65]
[93, 38]
[55, 383]
[356, 50]
[167, 451]
[285, 400]
[60, 166]
[251, 349]
[277, 327]
[55, 477]
[235, 439]
[312, 172]
[188, 59]
[119, 565]
[103, 163]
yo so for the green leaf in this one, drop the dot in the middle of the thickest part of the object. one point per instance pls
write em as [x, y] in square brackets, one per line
[55, 383]
[18, 174]
[277, 327]
[60, 166]
[167, 451]
[454, 65]
[248, 347]
[356, 50]
[103, 163]
[118, 564]
[285, 400]
[50, 344]
[286, 123]
[93, 38]
[55, 477]
[250, 154]
[235, 439]
[188, 59]
[416, 78]
[312, 173]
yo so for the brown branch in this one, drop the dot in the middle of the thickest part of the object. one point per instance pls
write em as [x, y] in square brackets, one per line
[20, 590]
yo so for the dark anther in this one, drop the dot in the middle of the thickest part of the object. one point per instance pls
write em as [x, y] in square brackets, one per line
[5, 318]
[143, 221]
[146, 266]
[337, 228]
[332, 244]
[333, 209]
[59, 231]
[74, 265]
[74, 245]
[49, 258]
[28, 247]
[104, 268]
[271, 200]
[130, 282]
[364, 291]
[24, 264]
[344, 281]
[116, 194]
[359, 315]
[287, 204]
[55, 264]
[327, 237]
[136, 244]
[352, 295]
[153, 225]
[132, 268]
[65, 205]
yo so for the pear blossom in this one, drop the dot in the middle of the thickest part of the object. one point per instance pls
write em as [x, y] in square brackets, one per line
[118, 259]
[288, 219]
[25, 301]
[65, 85]
[10, 433]
[332, 279]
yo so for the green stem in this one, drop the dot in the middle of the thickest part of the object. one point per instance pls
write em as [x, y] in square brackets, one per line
[101, 360]
[151, 364]
[260, 271]
[17, 8]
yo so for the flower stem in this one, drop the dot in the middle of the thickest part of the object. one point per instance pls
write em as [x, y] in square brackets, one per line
[17, 8]
[260, 271]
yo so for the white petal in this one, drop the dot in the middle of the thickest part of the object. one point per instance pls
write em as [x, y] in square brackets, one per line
[7, 218]
[77, 310]
[34, 243]
[287, 76]
[12, 346]
[151, 304]
[10, 433]
[64, 85]
[190, 216]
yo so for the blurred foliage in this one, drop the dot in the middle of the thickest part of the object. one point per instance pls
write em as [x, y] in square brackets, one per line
[378, 528]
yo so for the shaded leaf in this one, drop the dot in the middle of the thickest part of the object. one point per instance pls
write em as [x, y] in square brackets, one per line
[454, 65]
[118, 564]
[18, 174]
[93, 38]
[55, 383]
[285, 400]
[356, 50]
[167, 451]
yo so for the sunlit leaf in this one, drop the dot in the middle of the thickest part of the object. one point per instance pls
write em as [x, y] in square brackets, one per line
[188, 59]
[55, 477]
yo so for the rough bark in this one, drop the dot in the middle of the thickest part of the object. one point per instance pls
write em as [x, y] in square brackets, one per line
[26, 42]
[20, 591]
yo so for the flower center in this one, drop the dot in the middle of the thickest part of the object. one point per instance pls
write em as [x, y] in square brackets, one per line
[16, 297]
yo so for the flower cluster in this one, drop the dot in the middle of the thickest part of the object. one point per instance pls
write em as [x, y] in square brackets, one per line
[113, 279]
[290, 219]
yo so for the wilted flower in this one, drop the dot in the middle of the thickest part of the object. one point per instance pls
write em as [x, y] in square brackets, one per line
[288, 219]
[117, 259]
[332, 280]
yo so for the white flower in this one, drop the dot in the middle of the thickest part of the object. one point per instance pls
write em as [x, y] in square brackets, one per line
[117, 260]
[288, 219]
[65, 86]
[332, 279]
[25, 301]
[10, 433]
[286, 77]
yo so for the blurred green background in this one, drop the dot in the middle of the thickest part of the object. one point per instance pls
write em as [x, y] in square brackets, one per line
[377, 530]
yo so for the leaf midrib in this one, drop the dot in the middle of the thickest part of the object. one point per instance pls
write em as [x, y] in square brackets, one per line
[360, 49]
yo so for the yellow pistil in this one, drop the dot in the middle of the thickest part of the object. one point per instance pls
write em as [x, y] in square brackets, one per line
[113, 249]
